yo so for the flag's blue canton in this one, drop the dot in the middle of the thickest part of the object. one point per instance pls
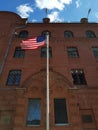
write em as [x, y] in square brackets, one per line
[40, 38]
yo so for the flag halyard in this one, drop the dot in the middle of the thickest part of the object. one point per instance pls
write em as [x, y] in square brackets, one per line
[33, 43]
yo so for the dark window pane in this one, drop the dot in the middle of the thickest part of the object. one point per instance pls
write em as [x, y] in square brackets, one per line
[78, 77]
[23, 34]
[87, 119]
[14, 77]
[90, 34]
[44, 52]
[95, 51]
[82, 78]
[34, 112]
[72, 52]
[10, 80]
[68, 34]
[75, 78]
[19, 53]
[60, 111]
[17, 80]
[45, 32]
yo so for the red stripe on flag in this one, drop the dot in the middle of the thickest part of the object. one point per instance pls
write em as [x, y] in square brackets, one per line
[31, 43]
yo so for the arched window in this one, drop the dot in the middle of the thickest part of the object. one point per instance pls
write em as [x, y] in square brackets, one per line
[68, 34]
[23, 34]
[45, 32]
[90, 34]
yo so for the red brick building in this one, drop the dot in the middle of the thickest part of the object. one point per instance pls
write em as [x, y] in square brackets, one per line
[73, 75]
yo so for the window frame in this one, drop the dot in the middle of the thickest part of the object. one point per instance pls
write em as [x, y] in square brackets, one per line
[78, 77]
[95, 51]
[19, 53]
[65, 118]
[90, 34]
[87, 118]
[90, 119]
[68, 34]
[72, 52]
[45, 32]
[12, 78]
[23, 34]
[28, 112]
[44, 52]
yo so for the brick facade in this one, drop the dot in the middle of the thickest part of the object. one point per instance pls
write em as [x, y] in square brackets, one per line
[80, 99]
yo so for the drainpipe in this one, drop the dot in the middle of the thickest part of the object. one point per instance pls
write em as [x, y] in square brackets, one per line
[9, 44]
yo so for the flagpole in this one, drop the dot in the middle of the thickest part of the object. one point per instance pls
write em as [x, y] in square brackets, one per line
[47, 83]
[88, 12]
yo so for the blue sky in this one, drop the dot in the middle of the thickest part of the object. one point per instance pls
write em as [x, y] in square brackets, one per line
[58, 10]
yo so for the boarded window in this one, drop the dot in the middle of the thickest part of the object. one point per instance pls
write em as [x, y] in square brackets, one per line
[60, 111]
[87, 118]
[5, 117]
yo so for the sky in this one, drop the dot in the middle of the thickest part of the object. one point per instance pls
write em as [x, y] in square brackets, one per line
[56, 10]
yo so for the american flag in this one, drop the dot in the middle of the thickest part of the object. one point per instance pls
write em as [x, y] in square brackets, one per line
[33, 43]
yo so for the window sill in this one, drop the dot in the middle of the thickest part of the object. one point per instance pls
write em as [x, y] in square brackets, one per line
[65, 124]
[33, 125]
[80, 86]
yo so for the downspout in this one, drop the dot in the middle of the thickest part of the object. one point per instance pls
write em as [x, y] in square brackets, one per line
[9, 44]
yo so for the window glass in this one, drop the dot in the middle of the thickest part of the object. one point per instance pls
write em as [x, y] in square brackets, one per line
[90, 34]
[45, 32]
[14, 77]
[60, 111]
[95, 51]
[34, 112]
[78, 77]
[44, 52]
[23, 34]
[68, 34]
[72, 52]
[19, 53]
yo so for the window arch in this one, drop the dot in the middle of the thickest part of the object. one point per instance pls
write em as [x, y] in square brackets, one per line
[90, 34]
[23, 34]
[68, 34]
[45, 32]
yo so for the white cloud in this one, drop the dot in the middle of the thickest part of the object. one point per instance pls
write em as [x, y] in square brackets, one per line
[34, 20]
[54, 17]
[51, 4]
[96, 14]
[24, 10]
[78, 3]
